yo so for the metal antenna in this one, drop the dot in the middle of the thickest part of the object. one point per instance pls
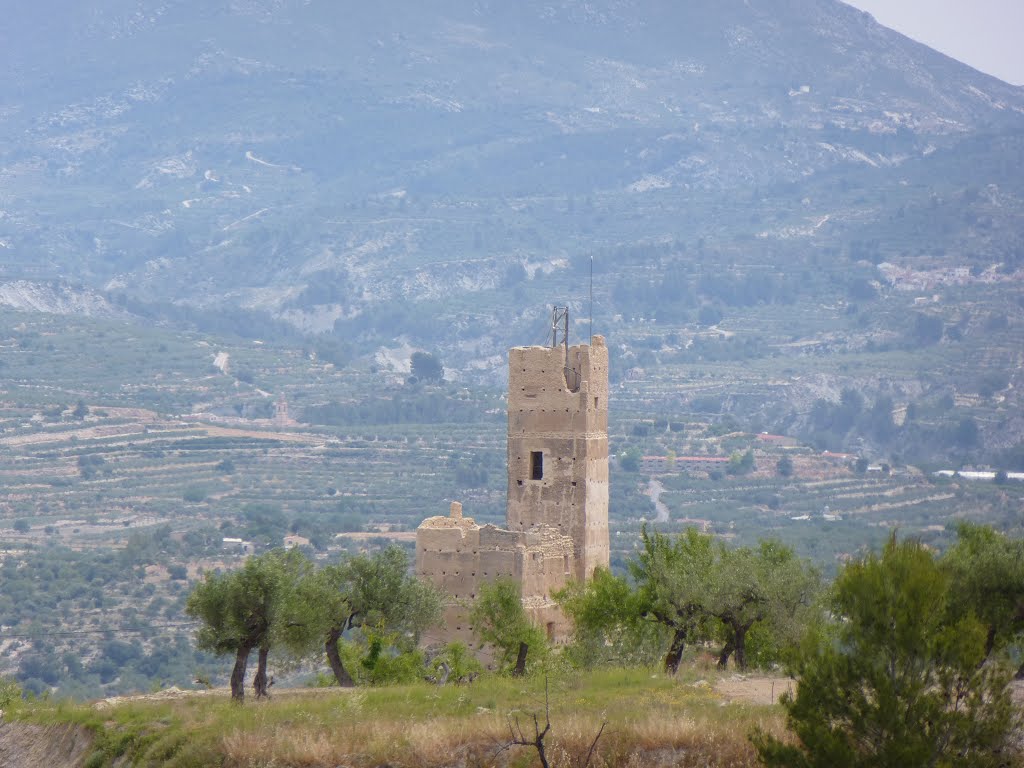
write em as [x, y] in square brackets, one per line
[560, 327]
[591, 299]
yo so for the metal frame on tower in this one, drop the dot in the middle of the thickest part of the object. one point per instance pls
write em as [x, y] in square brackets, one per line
[560, 323]
[560, 327]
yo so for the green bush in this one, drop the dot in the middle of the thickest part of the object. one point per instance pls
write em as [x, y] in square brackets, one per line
[379, 658]
[460, 660]
[10, 693]
[194, 494]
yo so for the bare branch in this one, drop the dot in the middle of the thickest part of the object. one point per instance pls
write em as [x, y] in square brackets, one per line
[518, 739]
[593, 745]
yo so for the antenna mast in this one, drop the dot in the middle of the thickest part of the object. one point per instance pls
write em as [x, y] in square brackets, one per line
[591, 299]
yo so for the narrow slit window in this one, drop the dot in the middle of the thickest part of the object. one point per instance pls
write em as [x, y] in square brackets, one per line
[536, 465]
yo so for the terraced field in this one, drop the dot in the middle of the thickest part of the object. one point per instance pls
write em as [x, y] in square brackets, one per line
[204, 438]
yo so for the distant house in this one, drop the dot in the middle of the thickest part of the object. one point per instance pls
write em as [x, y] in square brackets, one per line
[239, 546]
[838, 458]
[291, 542]
[977, 474]
[782, 441]
[660, 465]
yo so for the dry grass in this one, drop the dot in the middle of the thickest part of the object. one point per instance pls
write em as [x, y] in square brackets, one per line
[651, 741]
[651, 721]
[679, 741]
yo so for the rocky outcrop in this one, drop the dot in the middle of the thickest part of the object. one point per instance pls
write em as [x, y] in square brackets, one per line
[54, 298]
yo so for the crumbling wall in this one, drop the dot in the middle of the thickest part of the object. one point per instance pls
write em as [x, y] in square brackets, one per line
[457, 555]
[448, 556]
[448, 553]
[548, 564]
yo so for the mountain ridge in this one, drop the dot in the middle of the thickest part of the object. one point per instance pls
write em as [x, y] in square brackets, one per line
[216, 153]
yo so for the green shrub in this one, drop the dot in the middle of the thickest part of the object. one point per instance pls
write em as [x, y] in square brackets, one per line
[381, 658]
[194, 494]
[460, 660]
[10, 693]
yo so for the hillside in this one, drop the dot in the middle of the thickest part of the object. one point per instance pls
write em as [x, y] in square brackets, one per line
[316, 163]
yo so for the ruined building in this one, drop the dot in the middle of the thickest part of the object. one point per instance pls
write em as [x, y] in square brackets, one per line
[557, 510]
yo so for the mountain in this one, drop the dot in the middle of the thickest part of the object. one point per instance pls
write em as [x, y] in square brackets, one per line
[243, 151]
[788, 173]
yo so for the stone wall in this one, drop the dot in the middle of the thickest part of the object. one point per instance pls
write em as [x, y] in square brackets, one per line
[456, 555]
[548, 563]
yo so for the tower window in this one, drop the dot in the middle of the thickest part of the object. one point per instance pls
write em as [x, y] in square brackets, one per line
[536, 465]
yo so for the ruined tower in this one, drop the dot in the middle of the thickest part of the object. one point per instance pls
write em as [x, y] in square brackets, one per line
[558, 446]
[557, 514]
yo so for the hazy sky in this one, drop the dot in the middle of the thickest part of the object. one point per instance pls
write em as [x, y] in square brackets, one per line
[987, 34]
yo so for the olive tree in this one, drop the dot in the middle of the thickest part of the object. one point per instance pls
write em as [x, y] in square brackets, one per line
[767, 587]
[986, 571]
[673, 578]
[699, 588]
[610, 624]
[252, 608]
[373, 590]
[499, 619]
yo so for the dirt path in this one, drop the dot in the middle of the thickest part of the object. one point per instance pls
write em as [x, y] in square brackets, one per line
[755, 690]
[766, 690]
[284, 437]
[222, 692]
[654, 491]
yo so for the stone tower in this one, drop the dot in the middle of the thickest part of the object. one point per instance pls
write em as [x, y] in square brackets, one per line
[558, 447]
[557, 515]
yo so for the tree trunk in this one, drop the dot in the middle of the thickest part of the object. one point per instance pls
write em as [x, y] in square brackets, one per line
[675, 652]
[334, 659]
[723, 657]
[259, 683]
[238, 673]
[520, 669]
[741, 648]
[990, 642]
